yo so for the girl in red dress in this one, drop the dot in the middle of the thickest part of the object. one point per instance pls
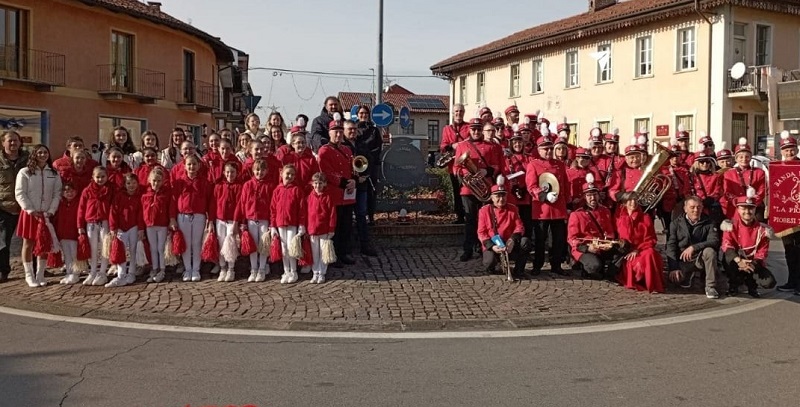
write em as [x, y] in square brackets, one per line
[126, 222]
[303, 160]
[643, 265]
[227, 193]
[79, 174]
[321, 224]
[66, 225]
[155, 210]
[150, 161]
[288, 219]
[193, 207]
[93, 211]
[253, 215]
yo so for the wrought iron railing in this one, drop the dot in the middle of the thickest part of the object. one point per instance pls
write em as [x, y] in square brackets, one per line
[750, 81]
[116, 78]
[32, 65]
[197, 93]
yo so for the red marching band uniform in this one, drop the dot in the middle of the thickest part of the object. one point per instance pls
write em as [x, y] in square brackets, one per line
[736, 181]
[644, 271]
[485, 155]
[625, 178]
[336, 161]
[576, 177]
[451, 134]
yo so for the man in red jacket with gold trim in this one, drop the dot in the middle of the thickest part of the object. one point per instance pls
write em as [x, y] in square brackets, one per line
[500, 220]
[453, 134]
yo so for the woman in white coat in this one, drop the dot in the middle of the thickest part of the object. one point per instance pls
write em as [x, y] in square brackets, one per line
[38, 192]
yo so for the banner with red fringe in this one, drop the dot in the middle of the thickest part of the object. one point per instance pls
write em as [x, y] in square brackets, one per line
[784, 197]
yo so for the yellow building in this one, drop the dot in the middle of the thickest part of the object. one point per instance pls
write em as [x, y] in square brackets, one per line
[636, 64]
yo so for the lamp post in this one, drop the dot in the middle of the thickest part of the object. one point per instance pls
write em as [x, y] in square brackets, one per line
[379, 78]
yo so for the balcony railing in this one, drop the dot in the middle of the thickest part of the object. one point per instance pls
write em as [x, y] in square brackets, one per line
[31, 65]
[120, 80]
[197, 94]
[750, 82]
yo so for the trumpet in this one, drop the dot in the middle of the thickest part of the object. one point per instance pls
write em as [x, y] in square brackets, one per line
[360, 164]
[602, 244]
[445, 159]
[505, 265]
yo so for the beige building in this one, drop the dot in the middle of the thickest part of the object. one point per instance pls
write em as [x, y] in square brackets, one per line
[634, 64]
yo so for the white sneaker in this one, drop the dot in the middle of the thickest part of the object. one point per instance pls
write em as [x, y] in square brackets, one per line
[292, 277]
[260, 276]
[253, 274]
[321, 278]
[130, 278]
[152, 277]
[90, 278]
[112, 270]
[195, 276]
[187, 276]
[100, 279]
[159, 276]
[64, 280]
[215, 269]
[285, 278]
[230, 276]
[222, 275]
[314, 277]
[119, 281]
[73, 278]
[305, 270]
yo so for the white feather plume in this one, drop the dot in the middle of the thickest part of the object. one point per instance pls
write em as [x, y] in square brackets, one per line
[702, 135]
[681, 128]
[672, 141]
[589, 144]
[784, 134]
[501, 180]
[751, 192]
[641, 140]
[301, 122]
[590, 178]
[723, 145]
[595, 132]
[515, 127]
[643, 130]
[337, 116]
[742, 141]
[538, 112]
[665, 144]
[544, 130]
[615, 131]
[634, 141]
[527, 120]
[564, 120]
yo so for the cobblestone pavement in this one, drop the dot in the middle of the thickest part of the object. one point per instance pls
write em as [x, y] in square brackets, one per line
[402, 289]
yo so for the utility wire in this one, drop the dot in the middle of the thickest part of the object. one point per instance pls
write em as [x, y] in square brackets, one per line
[323, 73]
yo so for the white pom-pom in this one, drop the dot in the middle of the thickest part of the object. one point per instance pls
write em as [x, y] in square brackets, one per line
[337, 116]
[726, 225]
[681, 128]
[751, 192]
[590, 178]
[785, 134]
[742, 141]
[501, 180]
[615, 131]
[544, 130]
[301, 122]
[641, 140]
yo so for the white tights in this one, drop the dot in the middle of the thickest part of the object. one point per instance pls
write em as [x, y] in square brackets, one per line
[157, 238]
[316, 251]
[95, 232]
[287, 233]
[257, 228]
[130, 238]
[69, 252]
[192, 227]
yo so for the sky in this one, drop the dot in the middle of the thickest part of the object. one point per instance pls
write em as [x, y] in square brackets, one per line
[336, 36]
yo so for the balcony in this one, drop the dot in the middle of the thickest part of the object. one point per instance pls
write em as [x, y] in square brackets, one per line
[751, 85]
[197, 95]
[43, 70]
[120, 82]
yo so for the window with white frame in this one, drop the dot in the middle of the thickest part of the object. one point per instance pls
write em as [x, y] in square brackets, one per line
[480, 89]
[687, 121]
[462, 86]
[739, 43]
[687, 49]
[538, 76]
[572, 69]
[644, 56]
[603, 63]
[604, 126]
[763, 44]
[573, 133]
[641, 124]
[513, 90]
[433, 132]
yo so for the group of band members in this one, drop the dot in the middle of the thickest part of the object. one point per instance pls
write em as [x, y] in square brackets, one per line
[582, 202]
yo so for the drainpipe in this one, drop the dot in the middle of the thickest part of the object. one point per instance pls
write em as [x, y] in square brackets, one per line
[710, 65]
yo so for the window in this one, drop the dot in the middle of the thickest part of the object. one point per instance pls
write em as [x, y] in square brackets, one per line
[514, 88]
[572, 69]
[433, 132]
[763, 44]
[195, 130]
[538, 76]
[30, 124]
[739, 43]
[106, 124]
[739, 126]
[687, 121]
[644, 56]
[462, 85]
[480, 89]
[121, 61]
[13, 41]
[188, 77]
[603, 57]
[760, 127]
[605, 126]
[641, 125]
[409, 129]
[573, 133]
[686, 49]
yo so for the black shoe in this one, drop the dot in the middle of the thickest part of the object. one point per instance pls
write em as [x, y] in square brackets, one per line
[796, 291]
[458, 222]
[786, 287]
[3, 277]
[369, 251]
[337, 264]
[560, 272]
[753, 292]
[536, 272]
[733, 291]
[346, 259]
[466, 256]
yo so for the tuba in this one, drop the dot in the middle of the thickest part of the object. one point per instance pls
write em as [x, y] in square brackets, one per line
[653, 185]
[474, 181]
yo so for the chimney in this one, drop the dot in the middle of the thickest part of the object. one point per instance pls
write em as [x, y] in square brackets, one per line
[597, 5]
[154, 5]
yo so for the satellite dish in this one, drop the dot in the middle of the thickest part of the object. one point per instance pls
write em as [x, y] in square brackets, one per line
[738, 70]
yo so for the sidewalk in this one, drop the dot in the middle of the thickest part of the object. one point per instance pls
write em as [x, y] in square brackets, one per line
[403, 289]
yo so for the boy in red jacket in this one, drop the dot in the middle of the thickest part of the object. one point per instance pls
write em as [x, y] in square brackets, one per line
[127, 224]
[93, 210]
[288, 219]
[227, 193]
[155, 210]
[321, 224]
[66, 225]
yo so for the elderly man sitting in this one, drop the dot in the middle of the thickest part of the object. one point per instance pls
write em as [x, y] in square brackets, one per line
[692, 247]
[500, 230]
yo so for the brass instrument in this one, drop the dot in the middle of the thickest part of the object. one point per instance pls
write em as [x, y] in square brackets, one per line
[551, 181]
[445, 159]
[505, 265]
[360, 164]
[475, 182]
[602, 244]
[653, 185]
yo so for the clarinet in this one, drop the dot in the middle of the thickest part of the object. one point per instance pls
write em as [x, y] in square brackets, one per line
[692, 189]
[609, 171]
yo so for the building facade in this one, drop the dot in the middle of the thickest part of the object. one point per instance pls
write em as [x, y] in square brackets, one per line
[82, 67]
[643, 64]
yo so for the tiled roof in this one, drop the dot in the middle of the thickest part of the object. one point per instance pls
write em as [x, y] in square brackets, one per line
[152, 13]
[625, 14]
[398, 100]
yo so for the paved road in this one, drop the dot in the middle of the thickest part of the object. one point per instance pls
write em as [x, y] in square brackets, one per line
[748, 359]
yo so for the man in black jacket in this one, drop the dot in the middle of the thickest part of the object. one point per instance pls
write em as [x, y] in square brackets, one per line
[370, 137]
[319, 129]
[692, 247]
[362, 187]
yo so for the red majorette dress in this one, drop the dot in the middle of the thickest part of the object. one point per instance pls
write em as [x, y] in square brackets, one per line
[644, 272]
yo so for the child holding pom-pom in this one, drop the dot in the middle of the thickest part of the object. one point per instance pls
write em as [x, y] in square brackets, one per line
[227, 193]
[127, 223]
[66, 224]
[321, 224]
[288, 219]
[93, 211]
[193, 207]
[155, 211]
[252, 213]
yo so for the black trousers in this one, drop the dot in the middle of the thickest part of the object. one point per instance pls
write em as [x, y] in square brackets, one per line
[557, 230]
[601, 266]
[458, 205]
[791, 246]
[761, 277]
[527, 221]
[519, 255]
[471, 207]
[344, 229]
[8, 222]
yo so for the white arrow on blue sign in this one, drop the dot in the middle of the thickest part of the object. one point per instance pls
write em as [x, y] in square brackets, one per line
[354, 113]
[405, 117]
[382, 115]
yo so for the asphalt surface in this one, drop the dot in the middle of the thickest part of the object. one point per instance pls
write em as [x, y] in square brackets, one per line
[747, 359]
